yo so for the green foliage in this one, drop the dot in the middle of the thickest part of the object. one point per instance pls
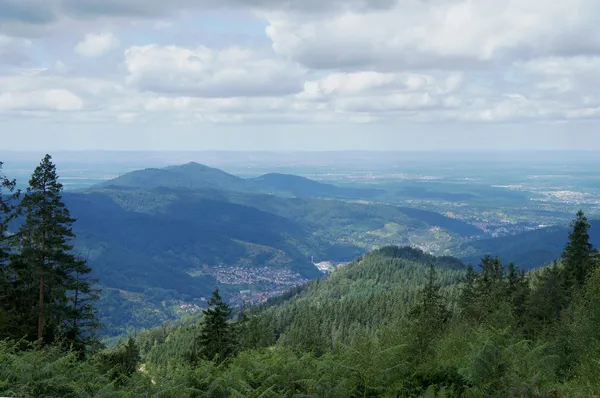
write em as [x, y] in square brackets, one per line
[394, 323]
[579, 256]
[217, 339]
[121, 363]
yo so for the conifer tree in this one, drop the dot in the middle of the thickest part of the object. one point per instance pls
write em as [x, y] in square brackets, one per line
[217, 337]
[579, 254]
[46, 261]
[429, 315]
[468, 299]
[491, 285]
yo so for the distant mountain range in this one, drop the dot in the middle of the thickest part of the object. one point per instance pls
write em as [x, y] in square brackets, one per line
[194, 176]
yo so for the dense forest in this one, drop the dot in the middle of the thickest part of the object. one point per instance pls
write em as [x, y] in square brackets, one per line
[395, 322]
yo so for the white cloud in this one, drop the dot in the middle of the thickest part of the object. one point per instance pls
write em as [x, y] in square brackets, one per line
[439, 34]
[40, 100]
[95, 45]
[203, 72]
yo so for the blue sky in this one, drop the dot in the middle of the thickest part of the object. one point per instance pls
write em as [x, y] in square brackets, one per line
[299, 74]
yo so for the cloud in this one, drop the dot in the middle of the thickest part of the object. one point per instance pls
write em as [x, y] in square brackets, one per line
[40, 100]
[95, 45]
[204, 72]
[63, 97]
[354, 61]
[32, 17]
[13, 51]
[439, 34]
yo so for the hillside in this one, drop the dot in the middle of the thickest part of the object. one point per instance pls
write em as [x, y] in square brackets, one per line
[377, 289]
[373, 292]
[192, 176]
[171, 254]
[301, 187]
[529, 249]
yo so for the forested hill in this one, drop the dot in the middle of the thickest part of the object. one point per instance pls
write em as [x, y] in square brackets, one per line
[192, 176]
[529, 249]
[374, 291]
[301, 187]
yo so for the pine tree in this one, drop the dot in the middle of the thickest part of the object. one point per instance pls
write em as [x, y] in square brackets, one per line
[491, 285]
[579, 256]
[517, 292]
[468, 298]
[46, 260]
[429, 315]
[547, 299]
[217, 337]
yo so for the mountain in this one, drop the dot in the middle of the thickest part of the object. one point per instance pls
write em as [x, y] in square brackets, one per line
[528, 249]
[172, 253]
[192, 176]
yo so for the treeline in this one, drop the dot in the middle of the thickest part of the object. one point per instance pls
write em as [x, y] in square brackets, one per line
[46, 293]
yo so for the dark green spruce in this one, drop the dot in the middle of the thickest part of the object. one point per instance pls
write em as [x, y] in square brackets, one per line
[579, 256]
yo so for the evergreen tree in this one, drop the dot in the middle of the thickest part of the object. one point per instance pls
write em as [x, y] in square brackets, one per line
[579, 256]
[518, 292]
[547, 299]
[491, 286]
[467, 300]
[46, 261]
[122, 362]
[217, 338]
[430, 314]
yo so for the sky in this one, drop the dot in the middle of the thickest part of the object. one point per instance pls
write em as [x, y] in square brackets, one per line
[299, 74]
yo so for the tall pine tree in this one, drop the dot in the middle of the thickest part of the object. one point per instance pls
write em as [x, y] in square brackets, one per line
[64, 293]
[217, 337]
[579, 256]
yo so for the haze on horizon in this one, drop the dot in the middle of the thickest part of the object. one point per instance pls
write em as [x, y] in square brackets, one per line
[268, 75]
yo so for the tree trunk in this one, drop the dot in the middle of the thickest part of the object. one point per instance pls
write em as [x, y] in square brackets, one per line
[41, 313]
